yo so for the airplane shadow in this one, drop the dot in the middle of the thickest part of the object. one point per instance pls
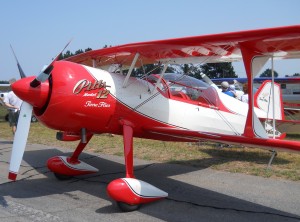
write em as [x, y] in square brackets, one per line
[186, 202]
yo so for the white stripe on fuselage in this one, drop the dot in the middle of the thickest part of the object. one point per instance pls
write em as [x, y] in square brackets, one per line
[173, 112]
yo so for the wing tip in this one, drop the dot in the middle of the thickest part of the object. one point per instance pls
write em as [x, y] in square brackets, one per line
[12, 176]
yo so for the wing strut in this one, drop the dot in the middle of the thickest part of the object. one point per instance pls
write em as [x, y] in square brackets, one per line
[130, 69]
[273, 96]
[251, 71]
[160, 76]
[94, 63]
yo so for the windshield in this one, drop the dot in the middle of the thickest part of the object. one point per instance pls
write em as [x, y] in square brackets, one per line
[185, 80]
[190, 88]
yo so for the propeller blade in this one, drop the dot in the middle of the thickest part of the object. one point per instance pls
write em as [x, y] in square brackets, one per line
[20, 140]
[22, 74]
[44, 75]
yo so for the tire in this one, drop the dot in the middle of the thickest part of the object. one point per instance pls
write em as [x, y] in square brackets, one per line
[62, 177]
[128, 207]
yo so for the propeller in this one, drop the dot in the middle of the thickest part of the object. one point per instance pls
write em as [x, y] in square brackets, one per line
[22, 74]
[24, 121]
[20, 140]
[45, 73]
[21, 134]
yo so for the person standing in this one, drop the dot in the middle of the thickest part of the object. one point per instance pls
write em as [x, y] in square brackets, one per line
[245, 97]
[225, 89]
[13, 103]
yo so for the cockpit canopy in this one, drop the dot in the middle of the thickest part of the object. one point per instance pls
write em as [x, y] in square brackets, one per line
[187, 88]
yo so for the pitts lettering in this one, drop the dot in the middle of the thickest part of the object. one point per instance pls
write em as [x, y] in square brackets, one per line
[86, 85]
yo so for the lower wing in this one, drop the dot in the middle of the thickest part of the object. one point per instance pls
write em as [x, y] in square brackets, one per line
[265, 143]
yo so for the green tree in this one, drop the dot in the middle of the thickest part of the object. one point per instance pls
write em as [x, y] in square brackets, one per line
[68, 53]
[218, 70]
[79, 51]
[191, 70]
[65, 55]
[295, 74]
[268, 73]
[150, 69]
[88, 49]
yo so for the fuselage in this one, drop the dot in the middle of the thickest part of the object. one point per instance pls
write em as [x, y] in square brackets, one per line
[78, 96]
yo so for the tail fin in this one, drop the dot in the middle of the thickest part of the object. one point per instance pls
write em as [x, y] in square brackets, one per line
[263, 99]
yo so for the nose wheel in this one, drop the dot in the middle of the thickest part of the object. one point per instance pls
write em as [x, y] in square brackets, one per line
[63, 168]
[62, 177]
[130, 193]
[128, 207]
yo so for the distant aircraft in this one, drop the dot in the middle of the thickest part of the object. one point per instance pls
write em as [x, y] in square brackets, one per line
[79, 98]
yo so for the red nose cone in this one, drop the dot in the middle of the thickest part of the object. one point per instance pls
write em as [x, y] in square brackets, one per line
[37, 97]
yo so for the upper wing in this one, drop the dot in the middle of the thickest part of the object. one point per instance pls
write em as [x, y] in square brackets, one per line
[226, 47]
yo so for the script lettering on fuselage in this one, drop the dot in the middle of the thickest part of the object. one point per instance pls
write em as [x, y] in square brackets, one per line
[86, 86]
[264, 97]
[100, 104]
[90, 94]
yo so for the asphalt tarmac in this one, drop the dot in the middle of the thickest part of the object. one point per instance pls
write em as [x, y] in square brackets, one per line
[194, 194]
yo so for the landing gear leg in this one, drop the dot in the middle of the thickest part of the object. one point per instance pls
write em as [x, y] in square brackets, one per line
[274, 154]
[128, 148]
[79, 149]
[128, 192]
[128, 154]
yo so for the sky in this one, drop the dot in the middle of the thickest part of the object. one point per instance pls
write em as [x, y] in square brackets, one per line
[38, 30]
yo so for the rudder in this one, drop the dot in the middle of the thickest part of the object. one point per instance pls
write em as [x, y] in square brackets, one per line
[263, 99]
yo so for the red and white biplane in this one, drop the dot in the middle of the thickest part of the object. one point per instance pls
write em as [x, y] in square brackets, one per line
[94, 93]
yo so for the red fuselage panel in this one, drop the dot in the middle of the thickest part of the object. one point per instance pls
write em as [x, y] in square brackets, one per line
[76, 100]
[79, 100]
